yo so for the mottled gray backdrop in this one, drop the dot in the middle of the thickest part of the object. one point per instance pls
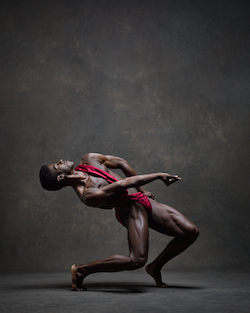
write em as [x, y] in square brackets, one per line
[163, 84]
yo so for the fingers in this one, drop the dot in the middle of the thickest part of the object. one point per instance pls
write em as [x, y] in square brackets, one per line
[149, 194]
[176, 177]
[152, 196]
[170, 179]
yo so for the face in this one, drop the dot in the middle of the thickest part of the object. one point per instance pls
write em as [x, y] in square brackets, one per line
[62, 167]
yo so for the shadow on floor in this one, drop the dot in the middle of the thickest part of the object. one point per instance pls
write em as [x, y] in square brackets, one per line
[130, 287]
[115, 287]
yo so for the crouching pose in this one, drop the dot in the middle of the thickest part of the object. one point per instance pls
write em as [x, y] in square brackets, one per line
[135, 209]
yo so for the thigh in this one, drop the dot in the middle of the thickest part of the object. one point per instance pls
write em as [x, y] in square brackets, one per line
[168, 220]
[136, 222]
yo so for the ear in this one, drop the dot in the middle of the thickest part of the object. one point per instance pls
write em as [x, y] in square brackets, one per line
[60, 177]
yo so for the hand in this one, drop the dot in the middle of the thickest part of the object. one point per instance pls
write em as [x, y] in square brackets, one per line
[148, 194]
[170, 179]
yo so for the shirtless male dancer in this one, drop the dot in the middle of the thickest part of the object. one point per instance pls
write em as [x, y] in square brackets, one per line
[136, 209]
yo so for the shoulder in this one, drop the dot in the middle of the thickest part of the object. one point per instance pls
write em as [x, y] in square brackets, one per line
[93, 159]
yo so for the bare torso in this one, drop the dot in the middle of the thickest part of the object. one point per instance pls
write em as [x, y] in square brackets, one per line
[89, 181]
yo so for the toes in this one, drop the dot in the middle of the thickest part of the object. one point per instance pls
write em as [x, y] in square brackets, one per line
[162, 285]
[79, 289]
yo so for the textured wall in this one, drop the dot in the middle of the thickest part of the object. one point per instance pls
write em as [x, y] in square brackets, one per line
[163, 84]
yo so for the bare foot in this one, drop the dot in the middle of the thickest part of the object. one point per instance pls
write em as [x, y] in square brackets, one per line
[77, 279]
[156, 275]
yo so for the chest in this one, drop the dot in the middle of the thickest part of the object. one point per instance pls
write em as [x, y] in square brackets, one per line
[95, 182]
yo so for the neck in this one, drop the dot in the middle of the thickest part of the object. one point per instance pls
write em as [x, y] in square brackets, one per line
[76, 179]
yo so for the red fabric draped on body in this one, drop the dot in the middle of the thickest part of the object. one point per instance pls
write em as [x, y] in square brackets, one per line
[125, 198]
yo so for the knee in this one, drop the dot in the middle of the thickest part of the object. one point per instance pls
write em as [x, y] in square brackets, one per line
[137, 261]
[192, 233]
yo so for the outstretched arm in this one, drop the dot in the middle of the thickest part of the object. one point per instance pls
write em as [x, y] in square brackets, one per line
[100, 197]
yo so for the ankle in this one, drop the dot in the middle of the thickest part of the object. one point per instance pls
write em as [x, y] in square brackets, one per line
[81, 271]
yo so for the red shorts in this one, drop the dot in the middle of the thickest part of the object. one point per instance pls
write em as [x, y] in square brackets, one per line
[134, 197]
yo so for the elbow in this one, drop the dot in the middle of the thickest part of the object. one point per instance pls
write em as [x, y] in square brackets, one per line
[90, 201]
[122, 164]
[87, 201]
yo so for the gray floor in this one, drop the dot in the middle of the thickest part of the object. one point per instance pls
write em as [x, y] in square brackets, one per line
[226, 290]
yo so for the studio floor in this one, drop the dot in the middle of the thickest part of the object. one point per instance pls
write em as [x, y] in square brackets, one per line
[200, 290]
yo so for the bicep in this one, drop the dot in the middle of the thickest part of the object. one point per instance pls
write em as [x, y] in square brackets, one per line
[100, 196]
[92, 197]
[95, 196]
[113, 162]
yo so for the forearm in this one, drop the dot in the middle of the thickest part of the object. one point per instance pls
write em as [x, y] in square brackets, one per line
[129, 172]
[140, 180]
[133, 181]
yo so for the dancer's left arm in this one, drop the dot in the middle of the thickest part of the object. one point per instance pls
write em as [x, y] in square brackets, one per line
[115, 162]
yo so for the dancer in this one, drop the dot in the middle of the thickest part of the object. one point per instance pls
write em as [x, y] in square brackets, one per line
[136, 209]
